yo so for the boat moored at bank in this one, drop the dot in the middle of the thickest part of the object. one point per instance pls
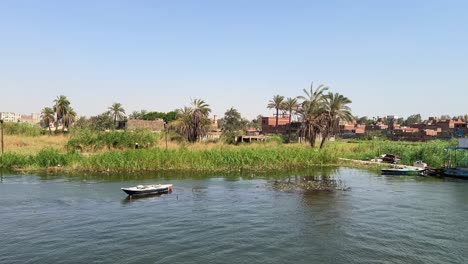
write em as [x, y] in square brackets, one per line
[148, 189]
[456, 160]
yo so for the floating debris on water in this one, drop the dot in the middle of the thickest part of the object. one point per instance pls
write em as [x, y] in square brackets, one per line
[310, 184]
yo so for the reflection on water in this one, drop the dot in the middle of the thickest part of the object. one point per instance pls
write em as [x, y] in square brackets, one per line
[233, 219]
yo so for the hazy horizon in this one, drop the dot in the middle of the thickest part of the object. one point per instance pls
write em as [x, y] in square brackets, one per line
[399, 58]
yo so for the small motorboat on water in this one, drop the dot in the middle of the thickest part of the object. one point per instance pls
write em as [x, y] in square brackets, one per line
[404, 171]
[148, 189]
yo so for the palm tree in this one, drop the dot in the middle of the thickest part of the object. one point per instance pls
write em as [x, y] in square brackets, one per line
[117, 112]
[202, 106]
[182, 124]
[277, 104]
[69, 117]
[336, 106]
[60, 107]
[312, 112]
[47, 116]
[192, 122]
[199, 119]
[290, 105]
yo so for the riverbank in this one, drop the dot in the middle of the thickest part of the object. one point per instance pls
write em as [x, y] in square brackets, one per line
[217, 157]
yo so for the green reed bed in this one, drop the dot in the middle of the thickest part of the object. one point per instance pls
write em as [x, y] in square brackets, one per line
[46, 158]
[222, 158]
[229, 159]
[431, 152]
[91, 140]
[23, 129]
[255, 159]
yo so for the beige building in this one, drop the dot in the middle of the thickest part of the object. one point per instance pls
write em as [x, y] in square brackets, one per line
[10, 117]
[32, 119]
[153, 125]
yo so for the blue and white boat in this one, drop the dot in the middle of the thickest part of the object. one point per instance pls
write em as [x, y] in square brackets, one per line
[456, 160]
[456, 172]
[404, 171]
[148, 189]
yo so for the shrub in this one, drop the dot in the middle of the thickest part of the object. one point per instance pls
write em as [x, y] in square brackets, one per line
[90, 140]
[23, 129]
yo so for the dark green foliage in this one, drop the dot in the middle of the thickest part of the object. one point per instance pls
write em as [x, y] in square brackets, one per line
[277, 139]
[23, 129]
[89, 140]
[231, 125]
[101, 122]
[431, 152]
[167, 117]
[413, 119]
[232, 120]
[44, 159]
[230, 137]
[242, 158]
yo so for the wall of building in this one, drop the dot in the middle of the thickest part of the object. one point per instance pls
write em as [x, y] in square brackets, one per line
[153, 125]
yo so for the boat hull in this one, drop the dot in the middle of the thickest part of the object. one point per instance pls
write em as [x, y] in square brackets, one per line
[402, 172]
[144, 192]
[148, 189]
[456, 173]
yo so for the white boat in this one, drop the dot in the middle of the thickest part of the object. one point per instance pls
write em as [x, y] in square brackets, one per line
[148, 189]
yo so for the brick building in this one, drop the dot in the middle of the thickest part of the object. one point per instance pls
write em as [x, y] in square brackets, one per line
[153, 125]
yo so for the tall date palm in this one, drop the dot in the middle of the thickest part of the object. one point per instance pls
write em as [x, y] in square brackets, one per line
[290, 105]
[193, 122]
[277, 104]
[336, 107]
[47, 116]
[312, 110]
[61, 104]
[117, 112]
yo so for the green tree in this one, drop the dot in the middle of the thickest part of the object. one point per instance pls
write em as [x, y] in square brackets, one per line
[138, 115]
[69, 117]
[291, 106]
[47, 116]
[313, 112]
[193, 122]
[413, 119]
[232, 123]
[364, 120]
[336, 109]
[81, 123]
[277, 104]
[167, 117]
[101, 122]
[117, 112]
[61, 104]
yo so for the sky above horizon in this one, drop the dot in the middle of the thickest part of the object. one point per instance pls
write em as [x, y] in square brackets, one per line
[389, 57]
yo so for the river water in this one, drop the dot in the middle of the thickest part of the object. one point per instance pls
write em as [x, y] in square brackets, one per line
[233, 219]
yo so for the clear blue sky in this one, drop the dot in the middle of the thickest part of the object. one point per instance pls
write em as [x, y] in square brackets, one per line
[388, 57]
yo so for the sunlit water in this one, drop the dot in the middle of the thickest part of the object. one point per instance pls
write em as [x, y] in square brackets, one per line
[73, 219]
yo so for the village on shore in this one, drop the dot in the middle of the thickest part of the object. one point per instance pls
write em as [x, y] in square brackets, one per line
[391, 127]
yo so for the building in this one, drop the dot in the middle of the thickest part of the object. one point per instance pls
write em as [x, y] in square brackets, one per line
[215, 131]
[10, 117]
[153, 125]
[32, 119]
[269, 125]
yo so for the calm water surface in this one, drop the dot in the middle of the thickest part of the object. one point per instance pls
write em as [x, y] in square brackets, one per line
[64, 219]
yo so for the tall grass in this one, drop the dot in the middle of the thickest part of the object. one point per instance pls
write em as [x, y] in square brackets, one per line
[90, 140]
[32, 145]
[431, 152]
[230, 159]
[46, 158]
[215, 157]
[24, 129]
